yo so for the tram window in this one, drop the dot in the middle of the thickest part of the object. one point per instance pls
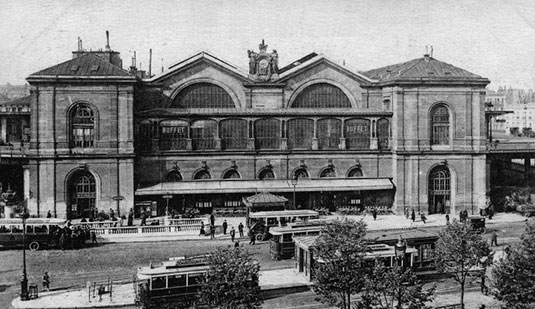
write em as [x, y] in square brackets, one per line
[4, 229]
[16, 229]
[276, 238]
[287, 237]
[158, 283]
[29, 229]
[427, 252]
[40, 229]
[176, 280]
[283, 221]
[272, 221]
[195, 279]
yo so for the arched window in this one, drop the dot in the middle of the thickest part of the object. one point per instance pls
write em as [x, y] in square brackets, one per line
[440, 125]
[173, 176]
[267, 133]
[300, 173]
[173, 135]
[203, 95]
[82, 127]
[321, 95]
[300, 133]
[266, 173]
[357, 133]
[355, 172]
[329, 133]
[203, 134]
[82, 195]
[234, 134]
[383, 132]
[439, 189]
[202, 175]
[328, 173]
[231, 174]
[145, 134]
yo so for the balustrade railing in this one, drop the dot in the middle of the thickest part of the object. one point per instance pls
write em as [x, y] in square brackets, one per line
[173, 226]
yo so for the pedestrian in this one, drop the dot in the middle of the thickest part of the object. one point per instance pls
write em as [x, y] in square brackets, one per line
[447, 219]
[413, 216]
[494, 239]
[94, 238]
[62, 240]
[252, 238]
[225, 225]
[507, 250]
[143, 218]
[422, 216]
[232, 234]
[490, 212]
[374, 213]
[112, 214]
[240, 229]
[130, 220]
[212, 219]
[46, 281]
[212, 231]
[202, 232]
[49, 214]
[484, 289]
[237, 244]
[407, 213]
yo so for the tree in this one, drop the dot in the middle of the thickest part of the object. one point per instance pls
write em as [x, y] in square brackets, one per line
[232, 280]
[339, 267]
[388, 288]
[461, 251]
[514, 275]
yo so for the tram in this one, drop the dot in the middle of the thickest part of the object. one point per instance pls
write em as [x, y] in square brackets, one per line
[40, 233]
[179, 279]
[282, 245]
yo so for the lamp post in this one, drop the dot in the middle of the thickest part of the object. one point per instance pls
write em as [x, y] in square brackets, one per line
[400, 249]
[167, 197]
[294, 183]
[24, 281]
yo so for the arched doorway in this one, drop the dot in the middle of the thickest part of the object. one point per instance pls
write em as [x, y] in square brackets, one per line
[82, 195]
[439, 190]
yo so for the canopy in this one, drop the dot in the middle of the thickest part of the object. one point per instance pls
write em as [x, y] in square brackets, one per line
[265, 199]
[276, 185]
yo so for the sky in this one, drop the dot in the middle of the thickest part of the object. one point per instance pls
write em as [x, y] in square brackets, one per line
[492, 38]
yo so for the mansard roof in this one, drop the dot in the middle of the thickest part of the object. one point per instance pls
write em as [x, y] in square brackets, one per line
[426, 68]
[84, 66]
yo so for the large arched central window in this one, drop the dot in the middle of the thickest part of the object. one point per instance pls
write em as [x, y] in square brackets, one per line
[82, 195]
[82, 127]
[321, 95]
[440, 125]
[439, 189]
[234, 134]
[300, 133]
[203, 95]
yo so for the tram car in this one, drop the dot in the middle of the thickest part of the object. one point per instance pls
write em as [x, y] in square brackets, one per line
[40, 233]
[177, 280]
[282, 245]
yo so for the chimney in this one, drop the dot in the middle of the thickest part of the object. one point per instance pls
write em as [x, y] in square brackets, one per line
[133, 69]
[150, 63]
[431, 54]
[108, 40]
[79, 44]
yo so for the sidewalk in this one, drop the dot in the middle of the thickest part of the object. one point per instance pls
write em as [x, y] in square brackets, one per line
[124, 295]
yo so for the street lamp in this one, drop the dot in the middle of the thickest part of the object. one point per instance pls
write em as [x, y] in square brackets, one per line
[167, 197]
[400, 248]
[24, 281]
[294, 183]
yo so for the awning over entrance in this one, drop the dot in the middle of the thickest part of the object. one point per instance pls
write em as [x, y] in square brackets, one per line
[277, 185]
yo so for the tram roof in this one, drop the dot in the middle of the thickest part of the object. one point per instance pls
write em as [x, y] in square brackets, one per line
[406, 234]
[284, 213]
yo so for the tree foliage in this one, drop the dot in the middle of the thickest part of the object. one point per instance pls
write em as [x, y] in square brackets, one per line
[514, 275]
[461, 252]
[388, 286]
[339, 269]
[232, 280]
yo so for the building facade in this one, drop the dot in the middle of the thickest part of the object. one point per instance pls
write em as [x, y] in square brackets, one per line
[204, 134]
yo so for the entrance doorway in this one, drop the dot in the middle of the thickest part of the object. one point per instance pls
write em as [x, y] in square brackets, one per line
[82, 193]
[439, 190]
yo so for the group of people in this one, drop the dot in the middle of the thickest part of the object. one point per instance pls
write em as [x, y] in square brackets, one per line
[72, 237]
[413, 216]
[212, 229]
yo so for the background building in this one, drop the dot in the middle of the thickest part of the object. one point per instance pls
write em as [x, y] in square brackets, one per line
[204, 134]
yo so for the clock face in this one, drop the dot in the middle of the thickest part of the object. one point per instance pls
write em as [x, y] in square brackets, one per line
[263, 63]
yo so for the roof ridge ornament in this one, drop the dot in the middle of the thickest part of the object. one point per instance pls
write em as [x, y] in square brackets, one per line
[263, 66]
